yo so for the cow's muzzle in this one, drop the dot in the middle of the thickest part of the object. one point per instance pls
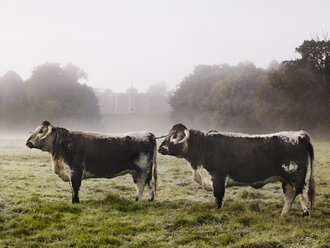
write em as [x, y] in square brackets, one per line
[162, 150]
[29, 144]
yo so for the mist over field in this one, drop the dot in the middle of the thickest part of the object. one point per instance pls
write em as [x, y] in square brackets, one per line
[116, 67]
[209, 65]
[291, 95]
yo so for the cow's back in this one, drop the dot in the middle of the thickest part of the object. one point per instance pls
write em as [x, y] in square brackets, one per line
[106, 156]
[246, 157]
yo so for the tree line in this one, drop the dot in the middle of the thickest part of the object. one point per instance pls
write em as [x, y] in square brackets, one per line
[291, 95]
[52, 92]
[59, 95]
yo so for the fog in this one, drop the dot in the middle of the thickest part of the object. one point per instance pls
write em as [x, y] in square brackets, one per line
[121, 66]
[55, 94]
[138, 43]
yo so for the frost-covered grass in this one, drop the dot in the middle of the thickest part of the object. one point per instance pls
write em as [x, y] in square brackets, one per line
[35, 209]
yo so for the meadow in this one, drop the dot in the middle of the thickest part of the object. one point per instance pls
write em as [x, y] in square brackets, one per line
[36, 209]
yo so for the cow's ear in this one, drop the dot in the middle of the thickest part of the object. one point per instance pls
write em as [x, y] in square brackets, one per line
[45, 123]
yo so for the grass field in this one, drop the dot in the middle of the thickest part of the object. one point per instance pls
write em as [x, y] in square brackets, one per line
[36, 209]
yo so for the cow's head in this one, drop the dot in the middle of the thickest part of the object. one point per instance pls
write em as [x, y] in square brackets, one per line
[175, 143]
[41, 138]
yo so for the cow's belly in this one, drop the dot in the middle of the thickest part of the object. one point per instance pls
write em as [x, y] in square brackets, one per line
[108, 175]
[254, 184]
[202, 177]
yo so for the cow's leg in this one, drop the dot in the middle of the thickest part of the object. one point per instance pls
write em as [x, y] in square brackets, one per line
[290, 195]
[219, 191]
[303, 198]
[139, 181]
[151, 186]
[75, 185]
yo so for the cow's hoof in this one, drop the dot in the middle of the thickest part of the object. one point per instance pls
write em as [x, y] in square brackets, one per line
[75, 201]
[219, 203]
[151, 196]
[306, 214]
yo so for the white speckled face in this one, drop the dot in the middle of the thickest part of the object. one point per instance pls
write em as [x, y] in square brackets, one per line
[290, 168]
[41, 138]
[176, 142]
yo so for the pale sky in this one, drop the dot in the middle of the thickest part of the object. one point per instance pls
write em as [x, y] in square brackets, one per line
[123, 43]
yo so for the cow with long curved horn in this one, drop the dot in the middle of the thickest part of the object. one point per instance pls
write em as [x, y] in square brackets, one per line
[219, 160]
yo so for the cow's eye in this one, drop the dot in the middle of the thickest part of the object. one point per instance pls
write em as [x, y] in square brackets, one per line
[175, 135]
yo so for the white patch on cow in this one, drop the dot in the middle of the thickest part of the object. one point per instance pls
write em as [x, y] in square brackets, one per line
[226, 180]
[291, 168]
[62, 169]
[288, 136]
[230, 182]
[142, 161]
[165, 147]
[292, 137]
[87, 175]
[138, 136]
[290, 194]
[202, 177]
[303, 198]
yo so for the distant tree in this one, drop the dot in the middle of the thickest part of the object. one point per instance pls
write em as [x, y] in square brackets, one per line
[298, 94]
[75, 73]
[273, 65]
[233, 99]
[190, 102]
[218, 96]
[292, 95]
[13, 99]
[316, 53]
[55, 93]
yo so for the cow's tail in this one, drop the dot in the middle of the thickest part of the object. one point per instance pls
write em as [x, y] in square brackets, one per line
[311, 183]
[154, 171]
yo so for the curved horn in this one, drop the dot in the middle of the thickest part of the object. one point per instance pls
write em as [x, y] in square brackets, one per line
[160, 137]
[187, 134]
[48, 132]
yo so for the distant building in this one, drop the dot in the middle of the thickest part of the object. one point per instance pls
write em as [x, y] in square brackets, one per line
[129, 102]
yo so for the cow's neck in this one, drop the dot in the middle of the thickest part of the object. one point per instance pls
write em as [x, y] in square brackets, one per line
[60, 142]
[195, 151]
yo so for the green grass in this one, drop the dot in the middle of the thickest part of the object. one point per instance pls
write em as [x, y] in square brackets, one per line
[35, 209]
